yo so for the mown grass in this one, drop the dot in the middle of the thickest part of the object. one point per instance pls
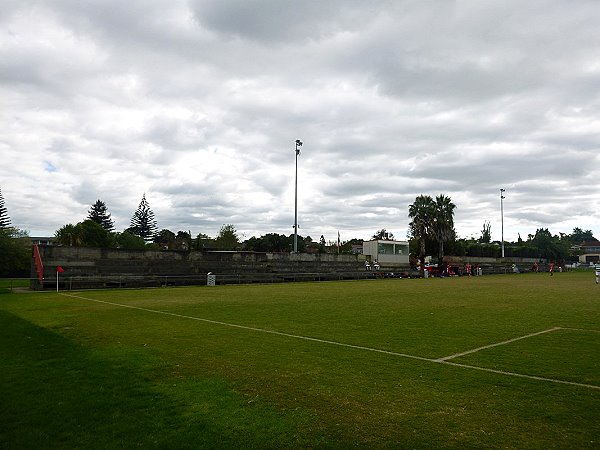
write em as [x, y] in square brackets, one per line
[81, 374]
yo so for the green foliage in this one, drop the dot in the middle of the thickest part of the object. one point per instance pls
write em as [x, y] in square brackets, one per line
[85, 234]
[143, 223]
[550, 247]
[421, 213]
[4, 218]
[578, 236]
[227, 238]
[431, 219]
[94, 235]
[486, 233]
[273, 242]
[346, 246]
[475, 248]
[165, 239]
[202, 242]
[183, 241]
[322, 244]
[68, 235]
[99, 214]
[443, 223]
[15, 253]
[129, 241]
[383, 235]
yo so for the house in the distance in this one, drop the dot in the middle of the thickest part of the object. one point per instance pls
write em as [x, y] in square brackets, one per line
[386, 253]
[590, 252]
[42, 240]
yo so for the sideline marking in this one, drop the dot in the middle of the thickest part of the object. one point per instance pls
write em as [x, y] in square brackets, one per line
[589, 330]
[520, 375]
[262, 330]
[360, 347]
[468, 352]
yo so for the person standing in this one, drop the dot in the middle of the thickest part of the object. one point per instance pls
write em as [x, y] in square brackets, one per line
[551, 269]
[597, 270]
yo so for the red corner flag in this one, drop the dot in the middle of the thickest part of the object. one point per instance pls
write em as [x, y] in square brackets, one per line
[59, 269]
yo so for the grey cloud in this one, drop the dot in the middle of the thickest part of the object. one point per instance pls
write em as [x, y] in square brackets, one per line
[199, 103]
[273, 22]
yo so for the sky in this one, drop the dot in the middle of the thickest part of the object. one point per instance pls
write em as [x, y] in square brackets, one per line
[197, 104]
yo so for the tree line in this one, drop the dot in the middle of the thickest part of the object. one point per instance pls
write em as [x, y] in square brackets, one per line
[98, 230]
[431, 232]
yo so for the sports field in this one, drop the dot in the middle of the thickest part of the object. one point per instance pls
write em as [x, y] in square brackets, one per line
[508, 361]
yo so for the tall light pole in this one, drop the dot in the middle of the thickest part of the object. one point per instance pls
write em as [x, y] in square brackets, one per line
[298, 145]
[502, 217]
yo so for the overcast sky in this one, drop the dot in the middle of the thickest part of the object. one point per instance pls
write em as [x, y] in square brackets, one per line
[198, 105]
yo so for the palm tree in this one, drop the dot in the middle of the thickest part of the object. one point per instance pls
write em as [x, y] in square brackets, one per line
[443, 223]
[69, 235]
[422, 214]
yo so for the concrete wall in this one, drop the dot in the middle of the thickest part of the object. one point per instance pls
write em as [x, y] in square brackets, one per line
[113, 266]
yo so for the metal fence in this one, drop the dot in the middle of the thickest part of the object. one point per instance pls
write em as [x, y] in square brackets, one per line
[132, 281]
[69, 283]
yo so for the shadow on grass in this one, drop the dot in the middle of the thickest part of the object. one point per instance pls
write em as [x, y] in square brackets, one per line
[57, 394]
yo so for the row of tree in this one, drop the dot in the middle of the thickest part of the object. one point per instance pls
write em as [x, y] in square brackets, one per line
[542, 244]
[431, 231]
[143, 223]
[98, 231]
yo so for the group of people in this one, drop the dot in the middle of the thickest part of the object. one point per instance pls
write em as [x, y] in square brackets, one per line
[371, 266]
[469, 269]
[448, 270]
[536, 268]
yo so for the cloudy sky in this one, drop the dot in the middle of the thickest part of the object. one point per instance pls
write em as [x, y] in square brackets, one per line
[198, 103]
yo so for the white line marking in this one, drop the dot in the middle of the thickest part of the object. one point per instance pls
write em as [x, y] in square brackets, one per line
[589, 330]
[262, 330]
[456, 355]
[358, 347]
[520, 375]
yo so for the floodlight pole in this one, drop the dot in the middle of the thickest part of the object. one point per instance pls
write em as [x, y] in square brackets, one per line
[502, 217]
[298, 145]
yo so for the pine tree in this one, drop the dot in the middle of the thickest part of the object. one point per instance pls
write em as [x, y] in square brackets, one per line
[4, 219]
[143, 223]
[99, 214]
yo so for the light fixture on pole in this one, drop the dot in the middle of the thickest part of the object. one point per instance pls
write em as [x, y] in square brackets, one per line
[298, 145]
[502, 216]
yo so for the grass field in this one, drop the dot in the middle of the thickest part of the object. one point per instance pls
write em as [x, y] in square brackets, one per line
[496, 362]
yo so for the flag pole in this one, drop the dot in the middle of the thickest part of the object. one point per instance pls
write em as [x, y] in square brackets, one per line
[59, 269]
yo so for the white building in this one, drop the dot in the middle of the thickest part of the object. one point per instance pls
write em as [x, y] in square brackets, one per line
[386, 252]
